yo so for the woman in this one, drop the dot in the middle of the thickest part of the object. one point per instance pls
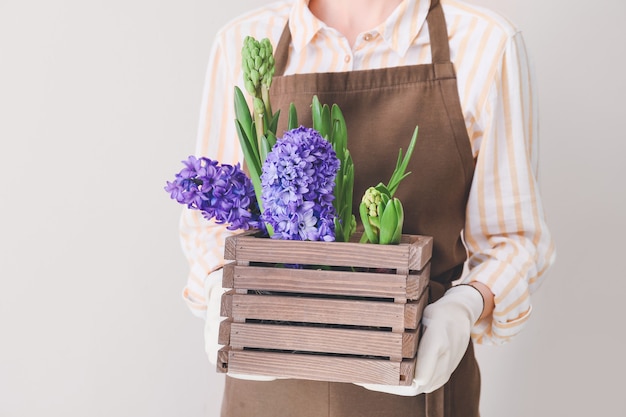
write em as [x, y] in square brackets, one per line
[460, 73]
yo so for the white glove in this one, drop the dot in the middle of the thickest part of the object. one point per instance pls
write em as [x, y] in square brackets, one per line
[213, 292]
[447, 326]
[213, 296]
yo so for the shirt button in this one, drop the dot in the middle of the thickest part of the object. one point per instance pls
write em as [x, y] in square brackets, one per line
[347, 58]
[368, 37]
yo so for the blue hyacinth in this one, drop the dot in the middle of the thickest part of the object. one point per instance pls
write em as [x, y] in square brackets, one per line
[221, 192]
[298, 179]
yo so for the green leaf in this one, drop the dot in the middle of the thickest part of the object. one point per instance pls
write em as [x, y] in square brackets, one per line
[265, 148]
[399, 173]
[292, 121]
[347, 223]
[397, 236]
[382, 188]
[338, 229]
[348, 186]
[330, 123]
[316, 114]
[352, 228]
[252, 162]
[271, 140]
[242, 112]
[345, 192]
[338, 139]
[385, 200]
[388, 223]
[326, 125]
[248, 148]
[273, 124]
[369, 232]
[339, 134]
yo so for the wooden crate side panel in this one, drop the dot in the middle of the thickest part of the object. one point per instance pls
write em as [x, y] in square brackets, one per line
[410, 341]
[420, 251]
[223, 335]
[324, 340]
[328, 340]
[222, 359]
[412, 315]
[321, 368]
[413, 255]
[417, 283]
[360, 284]
[414, 311]
[396, 316]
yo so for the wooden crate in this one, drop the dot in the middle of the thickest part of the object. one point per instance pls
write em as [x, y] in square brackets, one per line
[357, 319]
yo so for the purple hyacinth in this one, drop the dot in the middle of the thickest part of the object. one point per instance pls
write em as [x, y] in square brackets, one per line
[298, 180]
[221, 192]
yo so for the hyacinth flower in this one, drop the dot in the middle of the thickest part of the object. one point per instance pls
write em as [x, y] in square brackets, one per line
[381, 213]
[382, 216]
[331, 125]
[221, 192]
[298, 181]
[257, 129]
[258, 70]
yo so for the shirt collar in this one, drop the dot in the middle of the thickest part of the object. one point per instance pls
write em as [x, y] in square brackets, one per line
[404, 24]
[399, 30]
[303, 25]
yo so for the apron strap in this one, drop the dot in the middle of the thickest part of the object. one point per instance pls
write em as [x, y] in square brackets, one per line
[437, 30]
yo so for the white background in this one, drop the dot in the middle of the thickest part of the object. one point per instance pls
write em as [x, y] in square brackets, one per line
[99, 102]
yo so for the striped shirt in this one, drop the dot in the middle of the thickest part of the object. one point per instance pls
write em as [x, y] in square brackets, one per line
[509, 246]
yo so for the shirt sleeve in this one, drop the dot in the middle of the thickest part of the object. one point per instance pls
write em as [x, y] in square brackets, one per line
[509, 244]
[202, 241]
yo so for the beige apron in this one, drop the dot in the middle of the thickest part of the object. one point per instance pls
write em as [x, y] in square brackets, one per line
[382, 108]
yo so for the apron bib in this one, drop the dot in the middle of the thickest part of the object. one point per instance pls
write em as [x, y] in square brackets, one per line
[381, 108]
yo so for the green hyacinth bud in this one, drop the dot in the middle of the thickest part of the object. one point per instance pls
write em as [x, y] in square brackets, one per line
[259, 107]
[372, 198]
[249, 87]
[258, 62]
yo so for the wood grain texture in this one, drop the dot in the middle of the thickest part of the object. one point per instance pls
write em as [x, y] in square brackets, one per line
[413, 253]
[400, 287]
[321, 368]
[223, 336]
[396, 316]
[222, 359]
[413, 314]
[226, 304]
[357, 321]
[394, 346]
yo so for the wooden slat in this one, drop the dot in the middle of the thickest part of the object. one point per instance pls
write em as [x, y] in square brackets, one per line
[360, 284]
[323, 340]
[228, 275]
[413, 314]
[410, 341]
[226, 304]
[417, 283]
[324, 311]
[413, 254]
[322, 368]
[223, 336]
